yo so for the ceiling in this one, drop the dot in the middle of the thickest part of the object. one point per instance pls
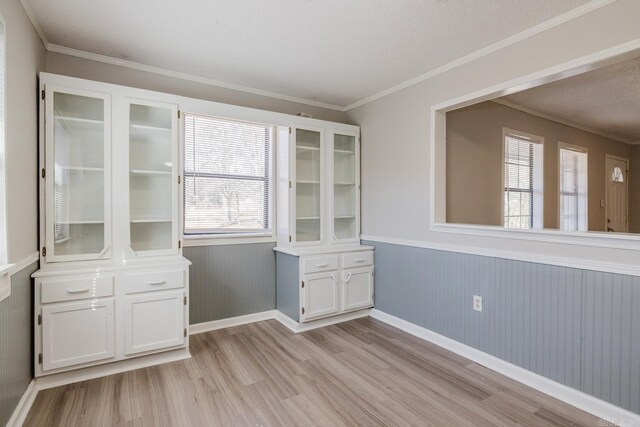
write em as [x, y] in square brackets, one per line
[606, 100]
[330, 51]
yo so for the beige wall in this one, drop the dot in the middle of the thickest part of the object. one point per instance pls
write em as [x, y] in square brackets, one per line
[634, 190]
[396, 133]
[83, 68]
[25, 57]
[475, 163]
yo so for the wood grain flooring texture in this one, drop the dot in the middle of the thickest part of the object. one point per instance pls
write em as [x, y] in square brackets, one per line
[361, 372]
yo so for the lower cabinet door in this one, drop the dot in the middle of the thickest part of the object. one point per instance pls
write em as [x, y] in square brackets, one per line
[319, 296]
[357, 289]
[78, 332]
[154, 321]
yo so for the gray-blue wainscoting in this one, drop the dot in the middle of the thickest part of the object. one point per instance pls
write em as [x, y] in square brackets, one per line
[16, 342]
[230, 280]
[578, 327]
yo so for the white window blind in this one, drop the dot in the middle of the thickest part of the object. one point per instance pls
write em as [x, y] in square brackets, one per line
[227, 175]
[573, 189]
[523, 182]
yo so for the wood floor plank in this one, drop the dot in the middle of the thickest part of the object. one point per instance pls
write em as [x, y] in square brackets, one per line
[361, 372]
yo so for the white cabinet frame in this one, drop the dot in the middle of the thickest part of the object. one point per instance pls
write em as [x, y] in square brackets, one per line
[331, 198]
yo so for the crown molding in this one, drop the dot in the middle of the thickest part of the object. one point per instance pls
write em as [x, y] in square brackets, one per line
[536, 29]
[518, 37]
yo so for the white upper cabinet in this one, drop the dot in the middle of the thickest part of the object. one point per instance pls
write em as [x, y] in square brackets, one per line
[77, 173]
[318, 185]
[110, 180]
[153, 175]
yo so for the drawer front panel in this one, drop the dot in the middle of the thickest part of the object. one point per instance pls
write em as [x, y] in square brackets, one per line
[149, 282]
[320, 263]
[75, 288]
[357, 259]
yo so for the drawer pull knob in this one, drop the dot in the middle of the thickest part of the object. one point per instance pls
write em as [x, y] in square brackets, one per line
[322, 265]
[78, 291]
[358, 260]
[160, 282]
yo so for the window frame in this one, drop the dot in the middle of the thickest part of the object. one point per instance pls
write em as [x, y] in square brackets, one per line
[578, 149]
[537, 209]
[5, 267]
[233, 236]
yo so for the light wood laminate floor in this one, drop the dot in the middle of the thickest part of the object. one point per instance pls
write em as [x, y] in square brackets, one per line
[361, 372]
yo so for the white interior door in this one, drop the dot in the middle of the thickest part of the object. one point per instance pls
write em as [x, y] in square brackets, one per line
[75, 333]
[154, 321]
[319, 295]
[617, 170]
[358, 288]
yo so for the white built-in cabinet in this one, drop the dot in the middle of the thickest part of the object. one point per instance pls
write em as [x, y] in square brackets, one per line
[113, 283]
[318, 220]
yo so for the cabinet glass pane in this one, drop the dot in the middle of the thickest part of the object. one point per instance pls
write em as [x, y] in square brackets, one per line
[344, 186]
[308, 196]
[150, 177]
[78, 181]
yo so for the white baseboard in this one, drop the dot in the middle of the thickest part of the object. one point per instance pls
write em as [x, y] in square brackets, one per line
[297, 327]
[199, 328]
[583, 401]
[98, 371]
[22, 410]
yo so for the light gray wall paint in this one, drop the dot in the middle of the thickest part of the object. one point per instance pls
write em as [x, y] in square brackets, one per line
[230, 280]
[25, 57]
[16, 343]
[396, 131]
[83, 68]
[577, 327]
[287, 290]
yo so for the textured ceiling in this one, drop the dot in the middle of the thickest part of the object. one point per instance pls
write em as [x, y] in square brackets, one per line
[331, 51]
[606, 100]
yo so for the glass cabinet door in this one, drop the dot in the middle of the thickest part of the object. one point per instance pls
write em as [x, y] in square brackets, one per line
[345, 194]
[77, 174]
[152, 176]
[308, 185]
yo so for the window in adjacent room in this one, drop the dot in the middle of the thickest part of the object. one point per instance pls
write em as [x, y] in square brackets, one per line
[523, 183]
[573, 188]
[227, 176]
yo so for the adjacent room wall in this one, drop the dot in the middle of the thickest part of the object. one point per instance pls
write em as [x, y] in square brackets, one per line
[475, 163]
[25, 57]
[634, 190]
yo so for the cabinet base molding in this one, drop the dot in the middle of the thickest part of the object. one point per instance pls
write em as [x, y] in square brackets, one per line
[69, 377]
[213, 325]
[298, 327]
[22, 410]
[599, 408]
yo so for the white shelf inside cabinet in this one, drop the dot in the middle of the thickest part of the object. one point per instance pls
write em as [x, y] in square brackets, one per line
[308, 218]
[308, 182]
[149, 220]
[149, 172]
[81, 169]
[78, 123]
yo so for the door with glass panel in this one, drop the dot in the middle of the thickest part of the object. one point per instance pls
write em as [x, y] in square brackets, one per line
[345, 191]
[77, 174]
[308, 185]
[153, 177]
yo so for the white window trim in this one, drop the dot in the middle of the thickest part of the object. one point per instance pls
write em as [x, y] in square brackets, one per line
[578, 149]
[5, 267]
[538, 207]
[231, 237]
[437, 158]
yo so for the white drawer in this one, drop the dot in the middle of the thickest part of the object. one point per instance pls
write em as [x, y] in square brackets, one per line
[153, 281]
[357, 259]
[320, 263]
[75, 288]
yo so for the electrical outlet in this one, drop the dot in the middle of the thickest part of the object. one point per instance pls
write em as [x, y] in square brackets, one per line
[477, 303]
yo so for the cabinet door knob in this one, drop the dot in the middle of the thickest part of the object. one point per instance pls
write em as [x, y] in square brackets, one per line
[346, 280]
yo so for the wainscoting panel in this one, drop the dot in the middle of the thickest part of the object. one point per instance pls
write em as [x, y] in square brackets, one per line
[16, 343]
[230, 280]
[288, 292]
[577, 327]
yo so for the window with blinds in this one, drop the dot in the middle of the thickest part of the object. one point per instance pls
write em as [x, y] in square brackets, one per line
[522, 180]
[573, 189]
[227, 169]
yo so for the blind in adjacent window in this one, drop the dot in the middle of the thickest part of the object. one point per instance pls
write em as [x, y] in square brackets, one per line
[227, 169]
[522, 183]
[573, 190]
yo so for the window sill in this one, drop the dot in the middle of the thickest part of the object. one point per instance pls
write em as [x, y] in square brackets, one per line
[227, 239]
[5, 281]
